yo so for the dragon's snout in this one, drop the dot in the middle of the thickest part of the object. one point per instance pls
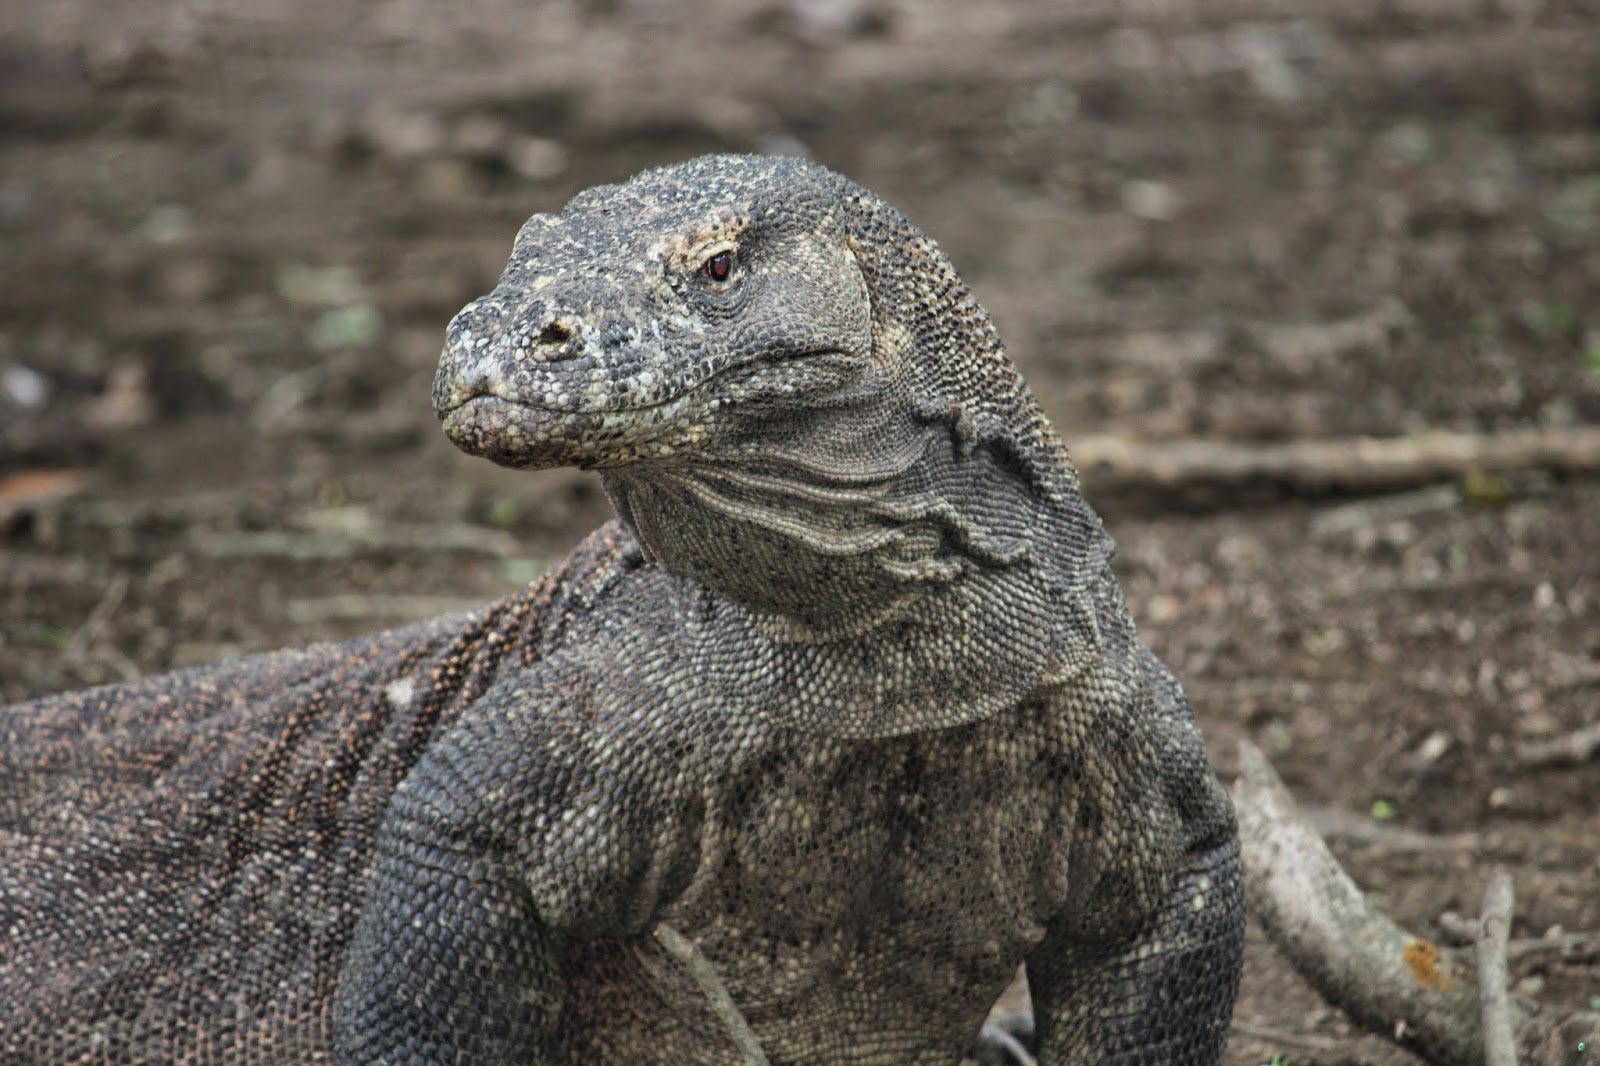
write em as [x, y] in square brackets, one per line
[490, 350]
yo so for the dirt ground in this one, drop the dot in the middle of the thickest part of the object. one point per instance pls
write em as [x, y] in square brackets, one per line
[231, 235]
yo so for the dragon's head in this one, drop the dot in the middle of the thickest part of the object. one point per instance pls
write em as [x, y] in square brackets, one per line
[792, 397]
[691, 308]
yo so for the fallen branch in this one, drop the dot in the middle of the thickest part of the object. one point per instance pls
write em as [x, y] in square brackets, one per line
[1353, 954]
[1364, 514]
[1570, 749]
[1465, 932]
[1283, 1037]
[1001, 1037]
[706, 977]
[333, 544]
[360, 607]
[88, 645]
[1391, 983]
[1320, 467]
[1565, 946]
[1360, 829]
[99, 619]
[1499, 1037]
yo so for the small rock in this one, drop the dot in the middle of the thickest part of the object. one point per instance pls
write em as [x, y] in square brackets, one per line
[404, 134]
[822, 21]
[780, 143]
[126, 403]
[537, 158]
[24, 386]
[1431, 750]
[166, 224]
[480, 137]
[1164, 609]
[311, 285]
[1153, 201]
[1406, 143]
[345, 327]
[1046, 108]
[447, 179]
[1532, 719]
[189, 279]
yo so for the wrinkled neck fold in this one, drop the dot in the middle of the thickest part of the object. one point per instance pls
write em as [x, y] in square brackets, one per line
[921, 584]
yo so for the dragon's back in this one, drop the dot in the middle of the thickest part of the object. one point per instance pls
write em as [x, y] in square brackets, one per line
[182, 858]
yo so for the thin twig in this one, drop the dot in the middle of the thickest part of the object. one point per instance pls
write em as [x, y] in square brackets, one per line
[362, 606]
[716, 993]
[1573, 944]
[1363, 514]
[1003, 1037]
[335, 543]
[1459, 931]
[1571, 749]
[1499, 1039]
[94, 625]
[1285, 1038]
[1335, 824]
[86, 645]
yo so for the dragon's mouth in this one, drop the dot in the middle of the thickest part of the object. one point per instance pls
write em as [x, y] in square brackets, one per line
[529, 433]
[512, 433]
[753, 369]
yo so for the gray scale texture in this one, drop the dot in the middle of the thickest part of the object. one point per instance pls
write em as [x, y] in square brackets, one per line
[848, 696]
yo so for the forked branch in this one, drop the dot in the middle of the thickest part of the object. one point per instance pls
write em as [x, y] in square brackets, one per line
[1407, 988]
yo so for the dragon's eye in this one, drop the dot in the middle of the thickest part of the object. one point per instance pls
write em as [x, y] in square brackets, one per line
[719, 266]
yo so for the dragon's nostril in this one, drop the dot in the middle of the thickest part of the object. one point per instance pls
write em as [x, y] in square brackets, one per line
[555, 333]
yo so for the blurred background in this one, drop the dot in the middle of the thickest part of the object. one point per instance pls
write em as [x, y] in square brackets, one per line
[231, 234]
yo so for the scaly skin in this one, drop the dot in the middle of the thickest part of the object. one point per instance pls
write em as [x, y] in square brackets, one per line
[849, 698]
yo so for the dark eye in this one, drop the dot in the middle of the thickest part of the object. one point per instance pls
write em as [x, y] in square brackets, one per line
[719, 266]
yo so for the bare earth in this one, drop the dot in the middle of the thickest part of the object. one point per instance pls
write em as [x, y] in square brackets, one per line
[231, 236]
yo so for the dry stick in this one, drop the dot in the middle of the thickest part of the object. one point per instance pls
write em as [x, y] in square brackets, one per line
[361, 606]
[1572, 749]
[1565, 944]
[1364, 514]
[1353, 955]
[1499, 1038]
[1466, 931]
[1303, 1041]
[1001, 1036]
[716, 993]
[333, 544]
[1319, 466]
[1388, 981]
[87, 636]
[1335, 824]
[99, 618]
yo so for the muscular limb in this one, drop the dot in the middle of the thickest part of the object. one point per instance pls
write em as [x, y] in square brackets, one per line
[514, 833]
[450, 962]
[1162, 996]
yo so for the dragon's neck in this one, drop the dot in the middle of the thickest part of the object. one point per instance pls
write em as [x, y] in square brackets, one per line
[892, 577]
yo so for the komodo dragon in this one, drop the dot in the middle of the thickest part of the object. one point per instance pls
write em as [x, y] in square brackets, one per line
[848, 700]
